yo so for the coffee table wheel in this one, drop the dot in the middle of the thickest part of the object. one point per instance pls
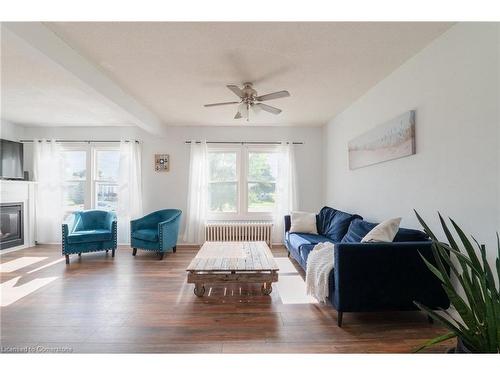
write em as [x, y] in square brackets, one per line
[199, 291]
[267, 289]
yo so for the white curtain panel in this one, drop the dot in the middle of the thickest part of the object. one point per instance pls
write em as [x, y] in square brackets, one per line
[286, 188]
[129, 188]
[197, 194]
[47, 171]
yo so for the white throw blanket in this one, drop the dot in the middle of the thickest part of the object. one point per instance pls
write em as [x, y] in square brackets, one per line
[319, 266]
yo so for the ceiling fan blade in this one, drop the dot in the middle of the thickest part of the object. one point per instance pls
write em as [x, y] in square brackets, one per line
[267, 108]
[236, 90]
[216, 104]
[274, 95]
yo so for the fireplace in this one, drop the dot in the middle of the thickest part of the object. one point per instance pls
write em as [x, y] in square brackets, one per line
[11, 225]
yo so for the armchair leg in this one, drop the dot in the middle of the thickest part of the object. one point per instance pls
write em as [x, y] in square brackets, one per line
[112, 253]
[174, 249]
[339, 318]
[161, 255]
[288, 254]
[79, 254]
[134, 251]
[107, 251]
[67, 258]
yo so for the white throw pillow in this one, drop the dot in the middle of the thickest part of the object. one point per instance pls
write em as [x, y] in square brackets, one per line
[383, 232]
[303, 222]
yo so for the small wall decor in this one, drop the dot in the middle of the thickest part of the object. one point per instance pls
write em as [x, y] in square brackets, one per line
[393, 139]
[162, 162]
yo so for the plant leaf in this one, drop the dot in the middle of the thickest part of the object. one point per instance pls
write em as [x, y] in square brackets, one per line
[468, 246]
[425, 226]
[435, 340]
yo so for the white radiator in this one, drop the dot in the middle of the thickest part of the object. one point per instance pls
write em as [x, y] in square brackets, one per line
[239, 231]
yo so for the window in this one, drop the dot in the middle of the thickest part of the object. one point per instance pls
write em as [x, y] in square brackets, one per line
[242, 182]
[90, 174]
[74, 180]
[223, 181]
[261, 181]
[106, 179]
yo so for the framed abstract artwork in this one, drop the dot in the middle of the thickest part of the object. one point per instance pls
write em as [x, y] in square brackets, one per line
[162, 162]
[393, 139]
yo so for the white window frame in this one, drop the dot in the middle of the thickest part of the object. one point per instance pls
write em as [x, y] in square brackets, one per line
[228, 215]
[91, 181]
[242, 164]
[85, 148]
[95, 148]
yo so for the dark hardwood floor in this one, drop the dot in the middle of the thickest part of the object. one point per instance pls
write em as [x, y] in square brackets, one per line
[101, 304]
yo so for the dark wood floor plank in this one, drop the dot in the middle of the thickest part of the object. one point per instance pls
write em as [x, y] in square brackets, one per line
[139, 304]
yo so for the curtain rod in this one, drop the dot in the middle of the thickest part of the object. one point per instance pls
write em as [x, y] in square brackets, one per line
[247, 143]
[73, 141]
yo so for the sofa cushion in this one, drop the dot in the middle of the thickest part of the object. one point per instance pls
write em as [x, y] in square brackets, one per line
[296, 240]
[303, 222]
[410, 235]
[150, 235]
[383, 232]
[357, 230]
[91, 219]
[95, 235]
[334, 223]
[360, 228]
[305, 250]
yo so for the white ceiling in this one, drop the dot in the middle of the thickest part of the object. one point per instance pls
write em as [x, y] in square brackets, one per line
[35, 91]
[175, 68]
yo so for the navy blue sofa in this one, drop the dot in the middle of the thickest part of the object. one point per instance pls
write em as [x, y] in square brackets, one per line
[370, 276]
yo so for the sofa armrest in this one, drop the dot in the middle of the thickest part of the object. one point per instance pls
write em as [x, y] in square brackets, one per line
[168, 232]
[390, 276]
[110, 219]
[114, 232]
[64, 236]
[136, 224]
[288, 223]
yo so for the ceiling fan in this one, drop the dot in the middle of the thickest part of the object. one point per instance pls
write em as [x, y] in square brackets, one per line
[249, 99]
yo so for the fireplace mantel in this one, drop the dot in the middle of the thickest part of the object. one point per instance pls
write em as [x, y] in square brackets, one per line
[21, 191]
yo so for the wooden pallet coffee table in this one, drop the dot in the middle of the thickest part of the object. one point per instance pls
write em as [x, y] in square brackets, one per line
[233, 263]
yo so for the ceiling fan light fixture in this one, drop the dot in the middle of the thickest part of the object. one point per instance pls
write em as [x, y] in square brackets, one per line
[250, 99]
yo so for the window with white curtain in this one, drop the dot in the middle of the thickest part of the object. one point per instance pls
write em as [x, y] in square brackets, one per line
[74, 180]
[242, 182]
[105, 178]
[90, 176]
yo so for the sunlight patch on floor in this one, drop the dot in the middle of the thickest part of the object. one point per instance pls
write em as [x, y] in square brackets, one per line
[292, 289]
[285, 266]
[19, 263]
[10, 293]
[46, 265]
[290, 286]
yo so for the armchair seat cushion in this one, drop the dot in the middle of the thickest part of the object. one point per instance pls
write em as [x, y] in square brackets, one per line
[150, 235]
[93, 235]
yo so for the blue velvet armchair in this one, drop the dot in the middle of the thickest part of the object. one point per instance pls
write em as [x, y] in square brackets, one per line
[157, 231]
[89, 231]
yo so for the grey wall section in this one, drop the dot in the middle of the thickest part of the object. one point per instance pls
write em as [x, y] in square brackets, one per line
[454, 86]
[169, 190]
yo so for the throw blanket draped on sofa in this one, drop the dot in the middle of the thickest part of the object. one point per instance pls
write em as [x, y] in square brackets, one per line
[319, 266]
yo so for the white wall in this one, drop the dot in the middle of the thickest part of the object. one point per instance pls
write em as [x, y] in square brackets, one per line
[454, 86]
[10, 131]
[169, 190]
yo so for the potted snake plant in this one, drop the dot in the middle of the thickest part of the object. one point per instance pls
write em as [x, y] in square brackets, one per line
[468, 280]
